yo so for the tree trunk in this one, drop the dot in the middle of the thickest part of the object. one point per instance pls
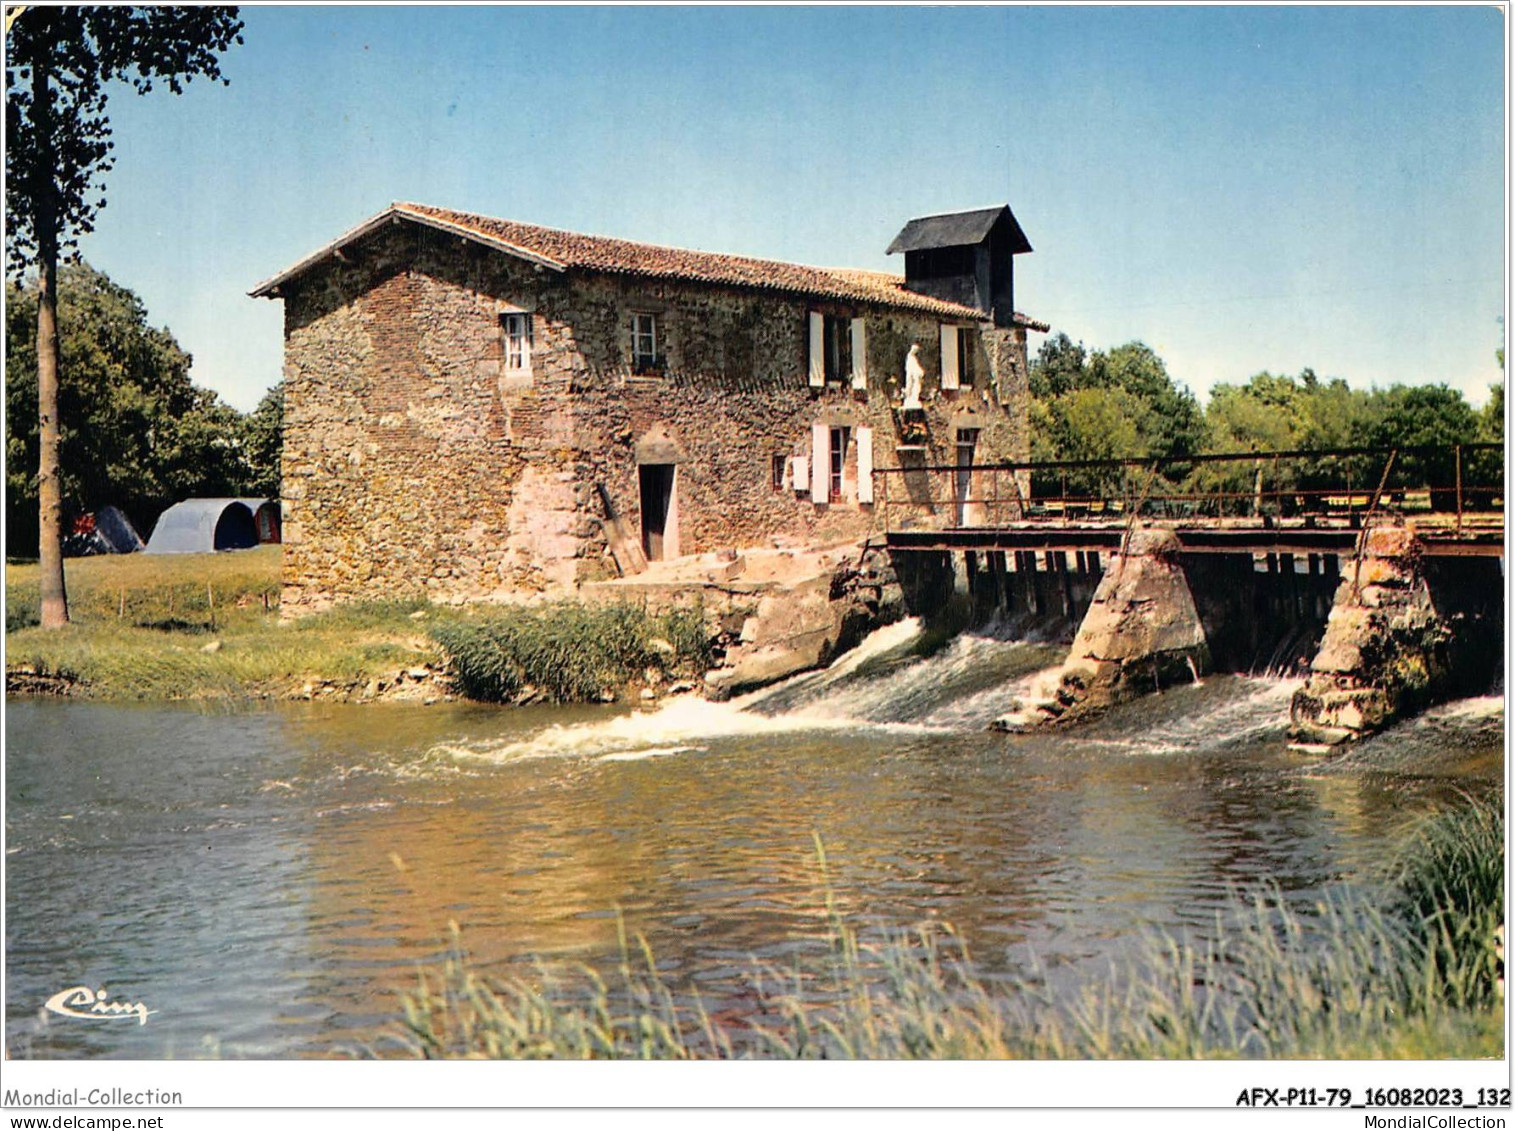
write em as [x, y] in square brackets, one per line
[49, 482]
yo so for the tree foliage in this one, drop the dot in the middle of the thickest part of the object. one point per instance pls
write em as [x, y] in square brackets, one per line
[54, 159]
[1091, 405]
[59, 64]
[263, 442]
[135, 431]
[1107, 405]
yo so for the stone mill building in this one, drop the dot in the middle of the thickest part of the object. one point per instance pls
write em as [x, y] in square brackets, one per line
[479, 409]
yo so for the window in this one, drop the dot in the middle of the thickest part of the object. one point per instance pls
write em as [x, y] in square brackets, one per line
[942, 262]
[831, 345]
[838, 349]
[838, 453]
[967, 355]
[517, 331]
[779, 467]
[959, 356]
[645, 358]
[967, 442]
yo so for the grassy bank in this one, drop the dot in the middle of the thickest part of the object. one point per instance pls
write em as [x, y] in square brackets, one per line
[1423, 979]
[202, 626]
[206, 626]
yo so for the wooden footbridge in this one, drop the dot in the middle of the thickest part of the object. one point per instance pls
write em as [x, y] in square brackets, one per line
[1377, 571]
[1282, 503]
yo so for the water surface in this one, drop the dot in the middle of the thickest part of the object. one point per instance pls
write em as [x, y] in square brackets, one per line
[268, 880]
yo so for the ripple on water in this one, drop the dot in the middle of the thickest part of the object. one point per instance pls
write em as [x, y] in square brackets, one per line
[273, 836]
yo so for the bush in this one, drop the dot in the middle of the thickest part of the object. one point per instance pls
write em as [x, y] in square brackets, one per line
[569, 652]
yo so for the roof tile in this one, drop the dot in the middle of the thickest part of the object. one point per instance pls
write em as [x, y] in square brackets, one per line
[577, 251]
[627, 257]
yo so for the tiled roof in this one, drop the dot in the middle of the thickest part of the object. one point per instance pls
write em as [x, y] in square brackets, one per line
[625, 257]
[563, 250]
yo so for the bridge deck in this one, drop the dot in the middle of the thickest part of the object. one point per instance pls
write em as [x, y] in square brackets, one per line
[1479, 536]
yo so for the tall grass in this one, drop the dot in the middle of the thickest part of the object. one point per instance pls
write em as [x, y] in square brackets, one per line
[1450, 889]
[1349, 979]
[569, 652]
[202, 626]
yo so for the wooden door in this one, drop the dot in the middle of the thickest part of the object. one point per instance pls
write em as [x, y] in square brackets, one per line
[657, 505]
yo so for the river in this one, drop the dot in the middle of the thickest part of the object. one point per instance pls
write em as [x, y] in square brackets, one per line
[268, 879]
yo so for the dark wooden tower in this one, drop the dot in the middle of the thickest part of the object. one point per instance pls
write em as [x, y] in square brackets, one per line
[966, 257]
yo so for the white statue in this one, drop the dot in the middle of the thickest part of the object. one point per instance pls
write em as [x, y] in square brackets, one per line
[913, 374]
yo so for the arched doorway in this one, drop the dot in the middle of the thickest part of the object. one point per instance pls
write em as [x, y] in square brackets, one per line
[658, 457]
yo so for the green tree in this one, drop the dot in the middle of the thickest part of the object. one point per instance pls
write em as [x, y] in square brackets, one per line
[1273, 413]
[1170, 422]
[263, 443]
[134, 431]
[1483, 472]
[1262, 415]
[1491, 419]
[1407, 416]
[1058, 367]
[1165, 421]
[1120, 403]
[60, 62]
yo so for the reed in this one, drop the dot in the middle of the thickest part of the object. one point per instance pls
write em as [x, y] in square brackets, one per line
[568, 651]
[1450, 889]
[1345, 979]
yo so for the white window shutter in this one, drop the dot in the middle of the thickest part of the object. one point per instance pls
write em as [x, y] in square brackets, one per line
[801, 466]
[817, 350]
[820, 463]
[949, 357]
[865, 465]
[859, 354]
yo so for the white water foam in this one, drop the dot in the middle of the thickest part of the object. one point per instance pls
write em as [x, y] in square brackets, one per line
[1439, 736]
[1016, 702]
[978, 677]
[913, 692]
[836, 700]
[891, 638]
[683, 725]
[1262, 707]
[1478, 709]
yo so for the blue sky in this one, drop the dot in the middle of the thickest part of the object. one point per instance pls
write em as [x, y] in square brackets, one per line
[1242, 188]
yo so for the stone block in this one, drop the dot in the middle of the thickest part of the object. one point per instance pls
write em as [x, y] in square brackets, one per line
[1384, 572]
[1390, 542]
[1337, 654]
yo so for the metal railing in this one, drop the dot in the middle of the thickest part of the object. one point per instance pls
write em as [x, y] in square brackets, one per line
[1339, 486]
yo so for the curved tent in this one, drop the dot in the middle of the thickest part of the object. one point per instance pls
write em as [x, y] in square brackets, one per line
[198, 526]
[117, 531]
[267, 517]
[106, 531]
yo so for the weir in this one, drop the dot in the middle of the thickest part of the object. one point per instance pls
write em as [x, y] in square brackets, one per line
[1387, 600]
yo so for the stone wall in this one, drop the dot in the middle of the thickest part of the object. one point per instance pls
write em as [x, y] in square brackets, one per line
[1404, 632]
[415, 462]
[1142, 632]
